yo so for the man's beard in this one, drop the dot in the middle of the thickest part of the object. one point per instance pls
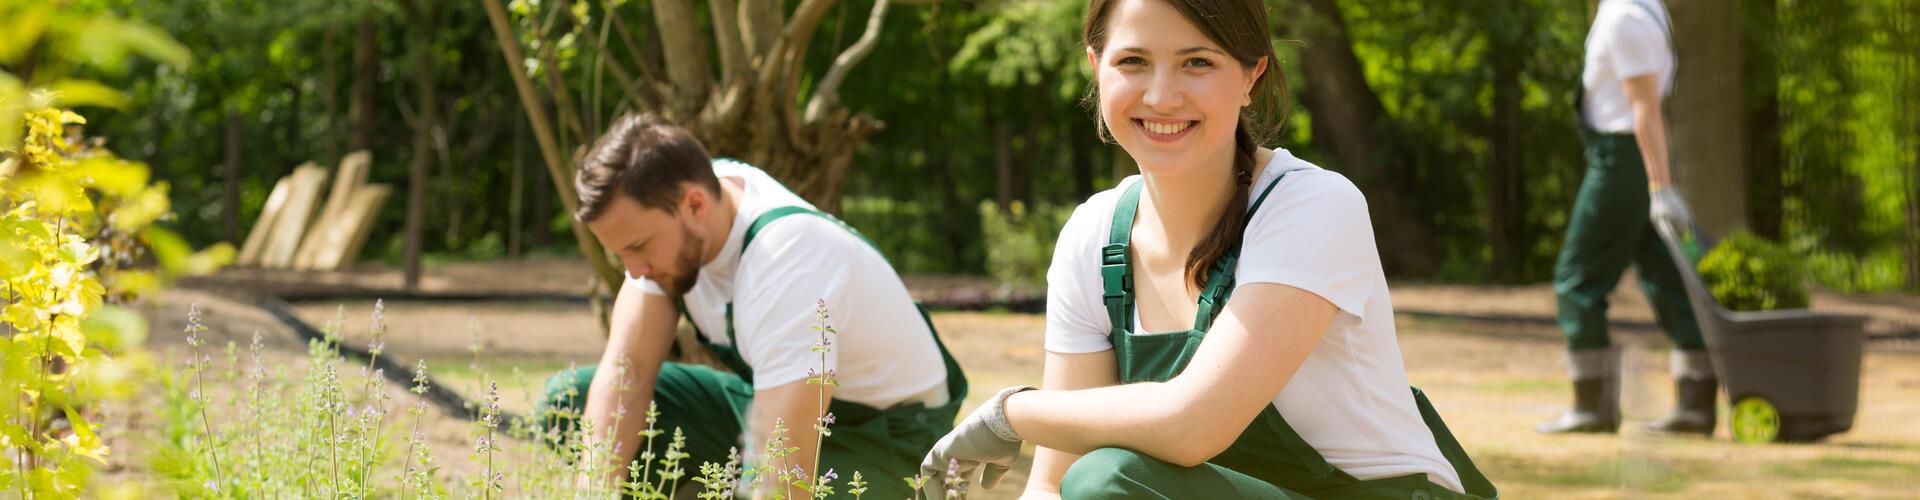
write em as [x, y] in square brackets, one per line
[691, 245]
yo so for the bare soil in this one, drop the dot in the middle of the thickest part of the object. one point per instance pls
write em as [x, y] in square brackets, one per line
[1491, 380]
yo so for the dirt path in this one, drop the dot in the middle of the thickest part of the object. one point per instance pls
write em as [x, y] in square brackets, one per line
[1492, 382]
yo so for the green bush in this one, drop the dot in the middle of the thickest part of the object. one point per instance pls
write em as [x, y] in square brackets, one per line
[1020, 242]
[1748, 273]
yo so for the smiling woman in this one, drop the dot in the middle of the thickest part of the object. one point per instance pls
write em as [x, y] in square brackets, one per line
[1287, 380]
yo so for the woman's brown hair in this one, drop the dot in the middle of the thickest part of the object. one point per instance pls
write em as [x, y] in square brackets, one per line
[1239, 27]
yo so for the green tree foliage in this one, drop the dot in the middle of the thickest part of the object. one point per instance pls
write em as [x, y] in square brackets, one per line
[1846, 174]
[1023, 242]
[982, 101]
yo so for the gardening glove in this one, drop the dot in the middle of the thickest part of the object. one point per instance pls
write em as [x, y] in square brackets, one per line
[983, 441]
[1668, 206]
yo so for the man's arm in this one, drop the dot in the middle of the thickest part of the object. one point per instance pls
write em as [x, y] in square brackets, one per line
[1067, 372]
[641, 332]
[1650, 128]
[798, 406]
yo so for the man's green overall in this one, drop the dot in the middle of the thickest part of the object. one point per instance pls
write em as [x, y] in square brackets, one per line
[710, 407]
[1269, 459]
[1607, 231]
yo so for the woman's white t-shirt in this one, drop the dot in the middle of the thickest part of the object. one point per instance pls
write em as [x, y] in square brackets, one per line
[884, 353]
[1350, 399]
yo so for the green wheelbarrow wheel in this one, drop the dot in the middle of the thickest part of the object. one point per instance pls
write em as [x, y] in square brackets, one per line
[1755, 420]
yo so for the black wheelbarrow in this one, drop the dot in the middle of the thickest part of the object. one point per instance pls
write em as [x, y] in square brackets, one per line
[1791, 375]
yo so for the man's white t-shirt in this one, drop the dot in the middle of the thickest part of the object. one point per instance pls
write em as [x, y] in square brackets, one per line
[1350, 399]
[1629, 38]
[884, 353]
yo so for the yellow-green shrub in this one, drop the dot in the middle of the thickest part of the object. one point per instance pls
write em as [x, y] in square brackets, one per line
[1747, 273]
[76, 226]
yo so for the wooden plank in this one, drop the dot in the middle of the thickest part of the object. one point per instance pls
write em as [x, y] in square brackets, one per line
[351, 176]
[316, 241]
[302, 199]
[257, 238]
[349, 233]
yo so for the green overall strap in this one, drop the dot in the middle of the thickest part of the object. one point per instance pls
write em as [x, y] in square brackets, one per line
[1220, 279]
[776, 213]
[754, 228]
[1116, 275]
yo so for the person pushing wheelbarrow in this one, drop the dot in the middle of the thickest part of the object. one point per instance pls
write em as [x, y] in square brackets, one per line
[1629, 71]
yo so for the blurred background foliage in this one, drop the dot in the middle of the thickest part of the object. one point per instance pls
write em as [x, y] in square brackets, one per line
[1470, 110]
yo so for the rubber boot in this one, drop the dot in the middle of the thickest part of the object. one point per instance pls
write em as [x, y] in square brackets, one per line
[1695, 389]
[1596, 394]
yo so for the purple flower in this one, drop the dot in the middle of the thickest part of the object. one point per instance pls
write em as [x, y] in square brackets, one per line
[828, 477]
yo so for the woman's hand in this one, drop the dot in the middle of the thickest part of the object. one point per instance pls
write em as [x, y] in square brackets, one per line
[983, 441]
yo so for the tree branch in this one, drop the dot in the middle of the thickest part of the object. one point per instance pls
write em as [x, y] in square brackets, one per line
[628, 83]
[549, 148]
[646, 65]
[827, 93]
[726, 33]
[760, 23]
[687, 66]
[796, 37]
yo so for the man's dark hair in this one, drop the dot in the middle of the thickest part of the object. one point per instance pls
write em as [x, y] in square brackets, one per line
[645, 158]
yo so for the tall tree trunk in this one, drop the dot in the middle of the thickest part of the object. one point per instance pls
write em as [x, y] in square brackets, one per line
[1506, 212]
[330, 89]
[517, 191]
[1709, 153]
[1908, 88]
[1078, 134]
[230, 199]
[1003, 164]
[366, 68]
[1350, 120]
[1023, 164]
[1760, 64]
[422, 18]
[540, 211]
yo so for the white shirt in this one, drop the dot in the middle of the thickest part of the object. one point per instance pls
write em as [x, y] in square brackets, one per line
[1350, 399]
[1629, 38]
[884, 353]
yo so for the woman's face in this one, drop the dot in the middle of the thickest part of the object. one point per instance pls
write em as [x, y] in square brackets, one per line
[1170, 96]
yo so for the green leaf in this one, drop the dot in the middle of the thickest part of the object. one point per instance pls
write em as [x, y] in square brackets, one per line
[13, 109]
[104, 42]
[78, 253]
[73, 93]
[114, 328]
[84, 442]
[24, 317]
[18, 30]
[111, 176]
[177, 258]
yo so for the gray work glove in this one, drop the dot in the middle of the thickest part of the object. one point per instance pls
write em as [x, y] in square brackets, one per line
[1667, 206]
[983, 441]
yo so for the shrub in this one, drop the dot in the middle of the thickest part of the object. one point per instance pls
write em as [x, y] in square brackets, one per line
[1748, 273]
[1021, 242]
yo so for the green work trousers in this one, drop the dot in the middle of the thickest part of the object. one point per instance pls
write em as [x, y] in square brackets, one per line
[1608, 231]
[710, 407]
